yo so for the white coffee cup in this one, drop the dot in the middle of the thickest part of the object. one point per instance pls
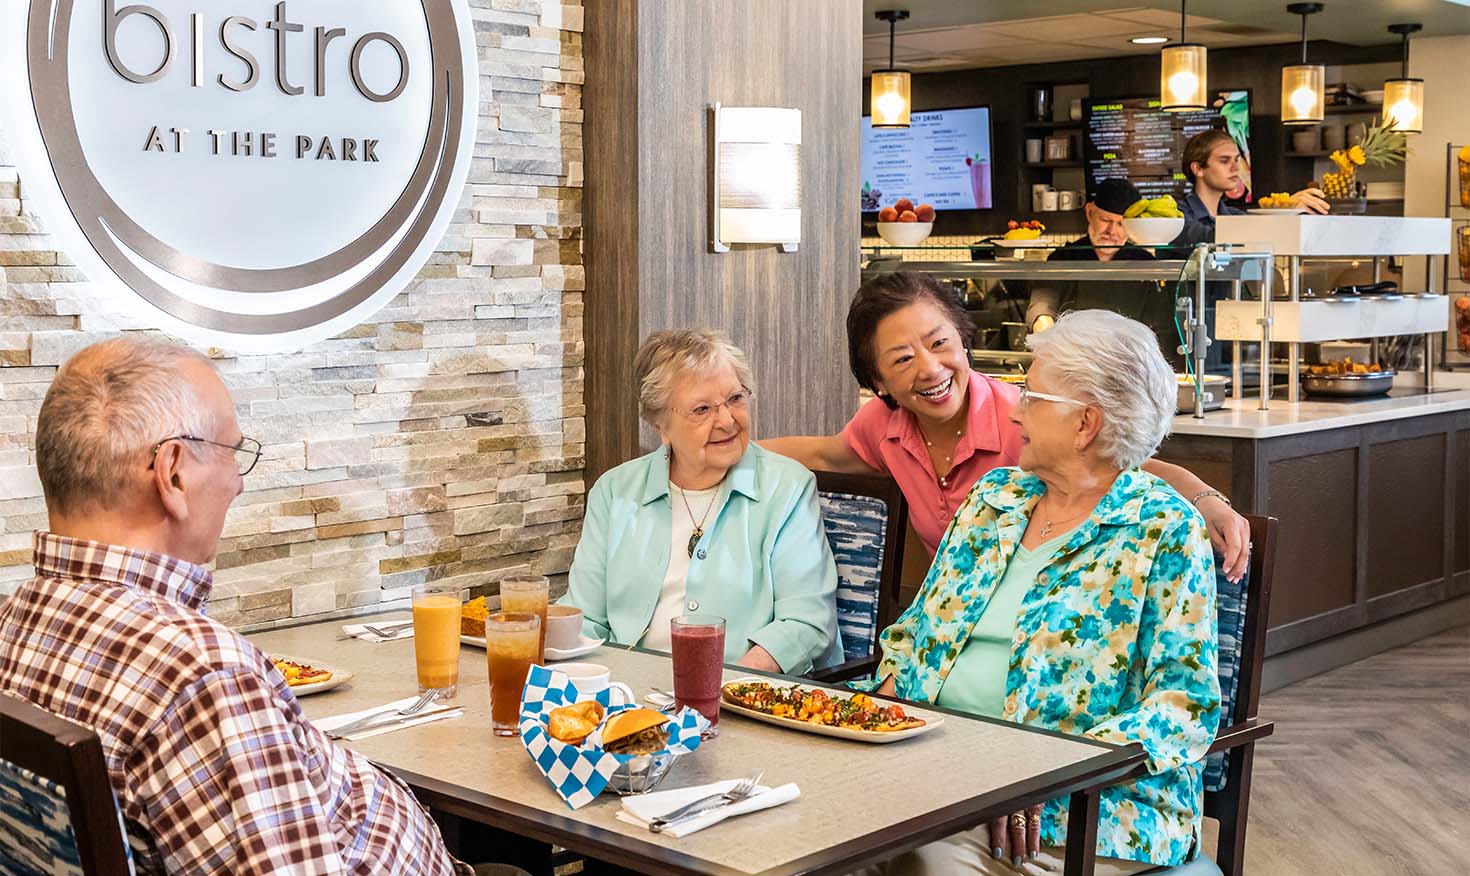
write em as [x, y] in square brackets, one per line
[590, 679]
[1049, 201]
[1033, 150]
[1066, 200]
[563, 627]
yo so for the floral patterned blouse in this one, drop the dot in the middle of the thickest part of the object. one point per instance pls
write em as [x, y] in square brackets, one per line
[1115, 641]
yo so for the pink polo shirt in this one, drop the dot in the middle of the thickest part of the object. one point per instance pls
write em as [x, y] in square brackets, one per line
[891, 442]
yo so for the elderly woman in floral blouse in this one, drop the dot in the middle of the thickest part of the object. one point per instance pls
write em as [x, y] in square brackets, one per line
[1075, 592]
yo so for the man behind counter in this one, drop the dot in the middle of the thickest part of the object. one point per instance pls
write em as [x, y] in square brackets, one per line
[1212, 162]
[1106, 241]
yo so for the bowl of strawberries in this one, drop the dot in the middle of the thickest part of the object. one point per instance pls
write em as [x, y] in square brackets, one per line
[905, 224]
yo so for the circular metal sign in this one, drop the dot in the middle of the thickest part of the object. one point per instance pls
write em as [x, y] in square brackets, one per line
[264, 173]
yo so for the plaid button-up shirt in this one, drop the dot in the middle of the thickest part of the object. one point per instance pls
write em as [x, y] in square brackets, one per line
[215, 768]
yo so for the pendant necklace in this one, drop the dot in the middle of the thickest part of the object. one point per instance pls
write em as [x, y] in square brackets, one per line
[698, 533]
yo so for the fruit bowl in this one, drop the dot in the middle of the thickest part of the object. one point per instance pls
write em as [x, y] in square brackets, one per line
[1153, 231]
[905, 233]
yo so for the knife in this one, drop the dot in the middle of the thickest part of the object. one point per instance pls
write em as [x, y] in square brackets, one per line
[371, 722]
[663, 824]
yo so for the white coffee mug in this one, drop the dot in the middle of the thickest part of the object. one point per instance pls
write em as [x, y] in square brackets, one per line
[1049, 201]
[590, 679]
[1067, 200]
[563, 627]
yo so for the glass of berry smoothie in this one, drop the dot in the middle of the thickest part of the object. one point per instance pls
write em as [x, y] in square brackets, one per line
[699, 656]
[980, 183]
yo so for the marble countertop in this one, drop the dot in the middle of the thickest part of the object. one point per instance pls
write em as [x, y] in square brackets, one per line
[1243, 419]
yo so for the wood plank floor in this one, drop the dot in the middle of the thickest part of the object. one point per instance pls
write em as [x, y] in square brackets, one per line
[1369, 769]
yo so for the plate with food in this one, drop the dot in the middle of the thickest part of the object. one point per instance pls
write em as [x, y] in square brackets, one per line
[305, 677]
[825, 712]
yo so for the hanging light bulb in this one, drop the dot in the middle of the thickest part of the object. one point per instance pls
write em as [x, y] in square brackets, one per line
[1182, 78]
[1403, 98]
[1303, 86]
[889, 103]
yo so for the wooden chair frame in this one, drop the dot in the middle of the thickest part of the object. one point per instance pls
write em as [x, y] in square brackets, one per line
[1230, 806]
[71, 756]
[886, 489]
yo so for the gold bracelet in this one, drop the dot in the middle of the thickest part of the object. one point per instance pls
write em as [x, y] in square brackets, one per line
[1208, 493]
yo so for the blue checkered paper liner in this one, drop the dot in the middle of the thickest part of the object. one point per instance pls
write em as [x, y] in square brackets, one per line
[579, 773]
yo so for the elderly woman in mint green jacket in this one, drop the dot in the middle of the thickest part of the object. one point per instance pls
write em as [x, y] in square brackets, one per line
[1076, 592]
[708, 523]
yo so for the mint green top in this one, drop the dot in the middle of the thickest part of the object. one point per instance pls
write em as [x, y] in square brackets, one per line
[977, 681]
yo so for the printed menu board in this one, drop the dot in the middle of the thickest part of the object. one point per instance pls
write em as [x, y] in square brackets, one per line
[1135, 139]
[942, 159]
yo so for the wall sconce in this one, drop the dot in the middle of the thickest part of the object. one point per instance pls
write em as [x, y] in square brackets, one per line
[1182, 85]
[888, 102]
[755, 186]
[1403, 98]
[1303, 86]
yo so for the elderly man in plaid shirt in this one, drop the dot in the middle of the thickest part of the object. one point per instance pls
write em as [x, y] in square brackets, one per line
[216, 769]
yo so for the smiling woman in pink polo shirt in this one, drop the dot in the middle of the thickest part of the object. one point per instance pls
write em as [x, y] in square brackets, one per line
[936, 426]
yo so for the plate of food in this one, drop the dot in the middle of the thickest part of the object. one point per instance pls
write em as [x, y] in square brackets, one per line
[825, 712]
[306, 678]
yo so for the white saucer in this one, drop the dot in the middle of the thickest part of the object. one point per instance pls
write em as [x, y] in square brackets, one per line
[583, 647]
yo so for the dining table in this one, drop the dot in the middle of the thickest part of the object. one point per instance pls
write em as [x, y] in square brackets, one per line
[859, 803]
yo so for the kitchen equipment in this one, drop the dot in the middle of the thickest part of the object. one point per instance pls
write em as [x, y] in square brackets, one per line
[1357, 132]
[1373, 96]
[1038, 197]
[904, 233]
[1033, 150]
[1304, 141]
[1348, 385]
[642, 773]
[1333, 137]
[1040, 104]
[1347, 206]
[1216, 387]
[1049, 200]
[1067, 200]
[1058, 148]
[1385, 289]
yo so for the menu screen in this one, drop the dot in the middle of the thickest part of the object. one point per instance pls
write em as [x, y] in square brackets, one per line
[1133, 138]
[942, 159]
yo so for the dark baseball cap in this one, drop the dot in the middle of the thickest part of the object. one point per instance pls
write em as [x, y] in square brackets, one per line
[1115, 195]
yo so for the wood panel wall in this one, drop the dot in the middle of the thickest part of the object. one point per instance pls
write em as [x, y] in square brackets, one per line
[653, 69]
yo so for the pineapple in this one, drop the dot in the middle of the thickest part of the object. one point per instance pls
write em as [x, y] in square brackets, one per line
[1381, 147]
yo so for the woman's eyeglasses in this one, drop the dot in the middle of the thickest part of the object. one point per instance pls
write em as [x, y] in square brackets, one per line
[1028, 394]
[701, 413]
[247, 452]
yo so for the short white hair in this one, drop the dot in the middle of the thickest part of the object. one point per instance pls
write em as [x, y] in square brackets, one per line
[667, 356]
[1114, 362]
[105, 410]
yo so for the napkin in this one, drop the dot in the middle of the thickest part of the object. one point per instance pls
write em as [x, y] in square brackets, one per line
[436, 712]
[644, 808]
[359, 631]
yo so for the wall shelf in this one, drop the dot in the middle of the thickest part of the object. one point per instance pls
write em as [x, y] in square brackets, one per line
[1049, 164]
[1053, 126]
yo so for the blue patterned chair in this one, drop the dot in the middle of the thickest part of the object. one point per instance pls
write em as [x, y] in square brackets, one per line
[865, 517]
[58, 816]
[1241, 609]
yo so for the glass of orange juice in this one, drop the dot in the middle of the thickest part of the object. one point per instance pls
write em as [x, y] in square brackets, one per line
[511, 640]
[436, 610]
[528, 593]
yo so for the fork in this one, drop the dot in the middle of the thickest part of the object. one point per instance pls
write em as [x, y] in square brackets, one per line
[388, 631]
[744, 788]
[417, 706]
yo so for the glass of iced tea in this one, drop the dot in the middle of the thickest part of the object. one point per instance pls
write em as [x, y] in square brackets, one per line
[699, 655]
[436, 636]
[528, 593]
[511, 640]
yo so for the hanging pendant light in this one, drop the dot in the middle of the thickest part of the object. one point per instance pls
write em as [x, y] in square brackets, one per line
[1403, 98]
[1303, 86]
[1182, 85]
[889, 104]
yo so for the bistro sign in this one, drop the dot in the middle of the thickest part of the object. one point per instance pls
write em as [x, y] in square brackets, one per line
[264, 173]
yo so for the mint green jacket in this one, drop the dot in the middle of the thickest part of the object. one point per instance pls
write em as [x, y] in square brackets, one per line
[764, 564]
[1115, 641]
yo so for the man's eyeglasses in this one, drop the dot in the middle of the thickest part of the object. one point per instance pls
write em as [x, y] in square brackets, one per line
[1028, 394]
[247, 452]
[701, 413]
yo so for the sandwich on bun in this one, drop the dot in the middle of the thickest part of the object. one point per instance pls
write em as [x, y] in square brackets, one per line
[635, 731]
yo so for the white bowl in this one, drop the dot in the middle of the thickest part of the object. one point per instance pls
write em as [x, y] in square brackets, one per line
[905, 233]
[1153, 231]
